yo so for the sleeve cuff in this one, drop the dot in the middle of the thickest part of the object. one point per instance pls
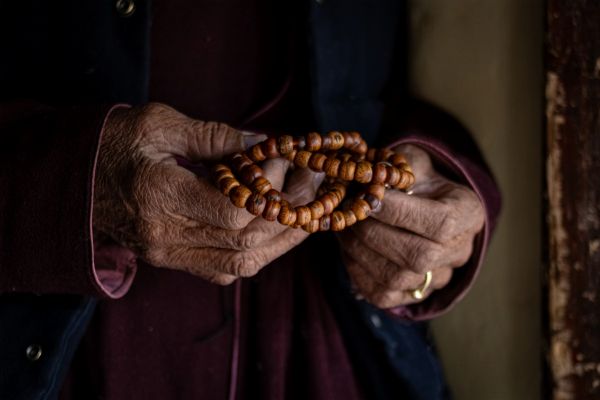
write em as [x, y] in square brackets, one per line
[113, 266]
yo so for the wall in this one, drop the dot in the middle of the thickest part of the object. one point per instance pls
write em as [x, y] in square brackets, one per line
[482, 60]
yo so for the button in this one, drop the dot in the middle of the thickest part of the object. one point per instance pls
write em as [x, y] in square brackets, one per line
[375, 320]
[125, 8]
[33, 352]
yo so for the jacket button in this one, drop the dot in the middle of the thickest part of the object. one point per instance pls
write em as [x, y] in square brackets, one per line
[125, 8]
[33, 352]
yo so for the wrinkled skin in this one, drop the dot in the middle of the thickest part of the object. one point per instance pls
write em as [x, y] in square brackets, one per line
[175, 219]
[432, 229]
[172, 218]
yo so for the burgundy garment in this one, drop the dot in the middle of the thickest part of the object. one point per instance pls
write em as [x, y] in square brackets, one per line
[174, 335]
[47, 167]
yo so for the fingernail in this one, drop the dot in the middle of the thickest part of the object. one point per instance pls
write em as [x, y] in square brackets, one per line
[250, 139]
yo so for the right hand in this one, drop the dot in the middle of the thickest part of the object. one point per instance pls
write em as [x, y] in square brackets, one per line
[172, 218]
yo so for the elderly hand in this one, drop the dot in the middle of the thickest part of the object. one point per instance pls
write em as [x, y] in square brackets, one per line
[173, 218]
[388, 255]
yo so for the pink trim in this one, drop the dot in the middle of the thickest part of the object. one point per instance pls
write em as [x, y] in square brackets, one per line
[481, 242]
[112, 283]
[235, 352]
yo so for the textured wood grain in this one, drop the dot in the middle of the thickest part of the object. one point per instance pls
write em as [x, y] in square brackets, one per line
[573, 183]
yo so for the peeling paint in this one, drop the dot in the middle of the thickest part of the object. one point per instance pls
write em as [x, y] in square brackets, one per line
[561, 357]
[594, 246]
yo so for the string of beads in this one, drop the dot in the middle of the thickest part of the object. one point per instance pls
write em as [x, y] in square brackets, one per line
[344, 157]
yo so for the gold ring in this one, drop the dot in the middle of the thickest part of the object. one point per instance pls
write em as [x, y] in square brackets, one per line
[419, 294]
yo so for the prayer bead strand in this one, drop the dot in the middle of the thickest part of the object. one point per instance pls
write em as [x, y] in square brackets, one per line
[345, 159]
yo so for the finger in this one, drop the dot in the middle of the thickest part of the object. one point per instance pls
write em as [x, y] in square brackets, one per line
[302, 186]
[390, 298]
[205, 262]
[426, 217]
[449, 211]
[176, 134]
[382, 271]
[405, 249]
[178, 194]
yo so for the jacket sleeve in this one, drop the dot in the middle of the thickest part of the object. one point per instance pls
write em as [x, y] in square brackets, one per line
[47, 168]
[456, 155]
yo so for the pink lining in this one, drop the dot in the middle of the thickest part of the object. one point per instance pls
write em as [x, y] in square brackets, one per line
[116, 264]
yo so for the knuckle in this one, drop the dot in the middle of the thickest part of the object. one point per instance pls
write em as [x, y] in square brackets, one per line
[222, 280]
[382, 299]
[424, 258]
[241, 265]
[448, 226]
[248, 240]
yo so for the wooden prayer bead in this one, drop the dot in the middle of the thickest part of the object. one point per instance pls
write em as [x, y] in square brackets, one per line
[325, 142]
[364, 172]
[360, 208]
[349, 140]
[347, 170]
[338, 222]
[256, 154]
[312, 226]
[240, 162]
[301, 160]
[376, 190]
[406, 180]
[303, 215]
[349, 217]
[261, 185]
[331, 167]
[325, 223]
[356, 136]
[361, 148]
[239, 196]
[285, 144]
[256, 204]
[328, 203]
[313, 142]
[250, 172]
[384, 154]
[371, 154]
[222, 174]
[337, 140]
[316, 209]
[287, 215]
[316, 162]
[397, 160]
[269, 147]
[379, 173]
[393, 176]
[373, 201]
[345, 157]
[291, 155]
[220, 167]
[227, 184]
[274, 195]
[272, 210]
[300, 143]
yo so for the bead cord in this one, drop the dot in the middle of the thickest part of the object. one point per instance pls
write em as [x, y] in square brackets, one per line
[345, 159]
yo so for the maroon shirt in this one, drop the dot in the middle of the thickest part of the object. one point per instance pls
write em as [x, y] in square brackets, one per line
[171, 334]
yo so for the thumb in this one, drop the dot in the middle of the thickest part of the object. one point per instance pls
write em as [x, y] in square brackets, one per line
[214, 140]
[302, 186]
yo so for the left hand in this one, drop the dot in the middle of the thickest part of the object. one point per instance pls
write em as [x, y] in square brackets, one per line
[388, 255]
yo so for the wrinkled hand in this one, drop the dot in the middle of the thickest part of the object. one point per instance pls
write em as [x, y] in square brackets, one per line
[388, 255]
[172, 218]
